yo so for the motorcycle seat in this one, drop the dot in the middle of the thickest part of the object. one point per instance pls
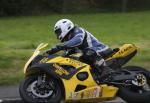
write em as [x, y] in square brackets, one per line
[109, 53]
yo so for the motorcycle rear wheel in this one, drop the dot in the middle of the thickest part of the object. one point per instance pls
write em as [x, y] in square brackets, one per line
[129, 95]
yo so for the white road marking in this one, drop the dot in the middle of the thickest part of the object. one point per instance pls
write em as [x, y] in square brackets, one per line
[1, 101]
[13, 100]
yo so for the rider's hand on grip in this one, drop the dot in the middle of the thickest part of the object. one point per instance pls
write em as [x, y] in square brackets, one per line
[52, 51]
[61, 46]
[57, 48]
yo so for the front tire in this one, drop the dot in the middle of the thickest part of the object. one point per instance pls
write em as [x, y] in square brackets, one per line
[129, 95]
[30, 93]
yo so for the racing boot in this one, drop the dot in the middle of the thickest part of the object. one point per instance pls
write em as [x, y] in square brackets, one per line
[104, 71]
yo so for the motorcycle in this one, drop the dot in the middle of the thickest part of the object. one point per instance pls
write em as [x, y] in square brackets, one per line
[60, 78]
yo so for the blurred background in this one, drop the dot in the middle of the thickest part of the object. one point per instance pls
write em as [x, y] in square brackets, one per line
[39, 7]
[26, 23]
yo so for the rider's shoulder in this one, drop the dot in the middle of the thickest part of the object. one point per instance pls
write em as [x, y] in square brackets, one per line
[78, 30]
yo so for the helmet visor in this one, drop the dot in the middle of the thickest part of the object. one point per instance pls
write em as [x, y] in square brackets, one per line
[58, 33]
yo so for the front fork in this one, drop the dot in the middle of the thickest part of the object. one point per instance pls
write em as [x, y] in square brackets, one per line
[41, 80]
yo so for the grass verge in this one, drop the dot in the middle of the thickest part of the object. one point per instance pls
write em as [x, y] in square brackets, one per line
[20, 35]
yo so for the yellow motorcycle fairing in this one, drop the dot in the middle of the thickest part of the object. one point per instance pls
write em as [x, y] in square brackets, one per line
[103, 91]
[94, 94]
[67, 61]
[71, 84]
[124, 51]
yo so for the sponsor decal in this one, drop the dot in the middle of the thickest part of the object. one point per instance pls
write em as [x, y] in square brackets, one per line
[59, 70]
[95, 93]
[82, 95]
[90, 93]
[44, 60]
[76, 96]
[125, 49]
[75, 62]
[71, 95]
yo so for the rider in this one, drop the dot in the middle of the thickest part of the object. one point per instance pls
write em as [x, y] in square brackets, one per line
[72, 36]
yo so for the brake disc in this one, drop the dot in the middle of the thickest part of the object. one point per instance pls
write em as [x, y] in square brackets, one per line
[140, 80]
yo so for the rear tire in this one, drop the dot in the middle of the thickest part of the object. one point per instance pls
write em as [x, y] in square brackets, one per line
[142, 70]
[134, 97]
[32, 98]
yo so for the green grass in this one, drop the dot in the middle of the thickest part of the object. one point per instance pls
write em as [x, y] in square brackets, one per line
[20, 35]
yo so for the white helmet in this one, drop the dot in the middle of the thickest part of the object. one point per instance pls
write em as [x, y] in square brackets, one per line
[63, 27]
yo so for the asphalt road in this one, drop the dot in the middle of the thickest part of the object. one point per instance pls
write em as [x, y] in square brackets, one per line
[10, 94]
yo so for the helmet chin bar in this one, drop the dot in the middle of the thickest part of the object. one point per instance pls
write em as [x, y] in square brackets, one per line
[66, 38]
[58, 32]
[60, 38]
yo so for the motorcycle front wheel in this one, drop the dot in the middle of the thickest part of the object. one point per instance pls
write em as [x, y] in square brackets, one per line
[48, 92]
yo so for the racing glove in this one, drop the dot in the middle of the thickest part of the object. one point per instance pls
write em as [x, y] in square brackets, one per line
[56, 48]
[52, 51]
[61, 46]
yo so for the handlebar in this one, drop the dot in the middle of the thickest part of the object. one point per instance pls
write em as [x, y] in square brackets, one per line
[53, 51]
[65, 53]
